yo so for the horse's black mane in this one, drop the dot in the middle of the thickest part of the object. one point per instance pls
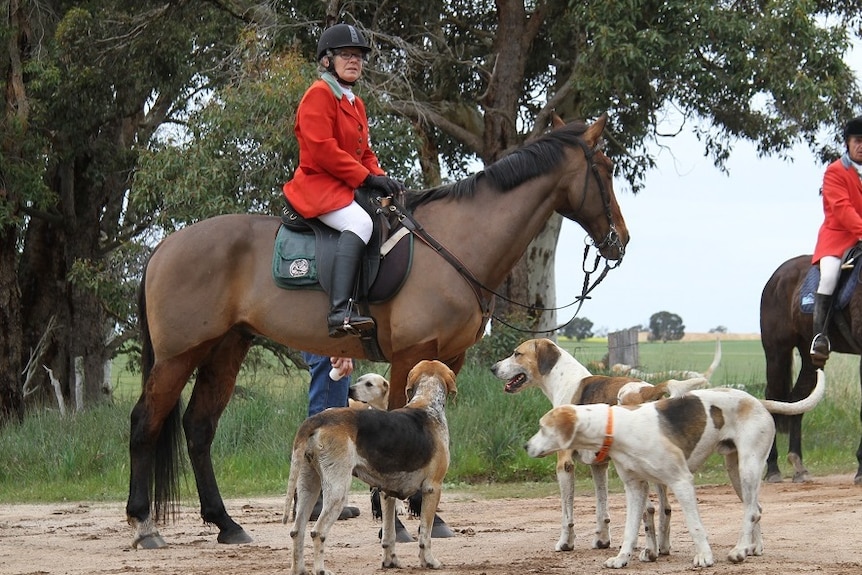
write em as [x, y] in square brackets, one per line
[527, 162]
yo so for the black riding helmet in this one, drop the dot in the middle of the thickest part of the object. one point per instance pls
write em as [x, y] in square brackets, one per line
[853, 128]
[341, 36]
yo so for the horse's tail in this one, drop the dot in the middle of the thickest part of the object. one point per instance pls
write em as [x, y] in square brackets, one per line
[166, 464]
[801, 406]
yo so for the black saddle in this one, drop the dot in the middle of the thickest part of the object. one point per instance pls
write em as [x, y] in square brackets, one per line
[847, 281]
[387, 257]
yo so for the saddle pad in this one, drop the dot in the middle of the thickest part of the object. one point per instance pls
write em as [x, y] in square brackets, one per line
[846, 286]
[294, 265]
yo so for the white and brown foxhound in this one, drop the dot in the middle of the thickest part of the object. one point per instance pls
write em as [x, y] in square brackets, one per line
[400, 451]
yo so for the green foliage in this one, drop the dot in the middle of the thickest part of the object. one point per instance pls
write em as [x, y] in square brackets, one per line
[505, 335]
[666, 326]
[85, 456]
[236, 152]
[772, 75]
[579, 328]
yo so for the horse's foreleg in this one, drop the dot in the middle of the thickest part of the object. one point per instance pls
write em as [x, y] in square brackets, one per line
[773, 473]
[858, 479]
[214, 386]
[794, 452]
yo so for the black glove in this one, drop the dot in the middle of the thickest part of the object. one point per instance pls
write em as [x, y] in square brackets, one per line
[385, 183]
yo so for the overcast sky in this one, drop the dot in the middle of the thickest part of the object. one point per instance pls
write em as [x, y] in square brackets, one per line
[703, 243]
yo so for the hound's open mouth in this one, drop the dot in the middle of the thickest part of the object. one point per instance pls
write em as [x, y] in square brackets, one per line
[514, 384]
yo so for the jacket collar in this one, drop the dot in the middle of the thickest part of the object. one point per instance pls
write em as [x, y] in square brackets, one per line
[333, 84]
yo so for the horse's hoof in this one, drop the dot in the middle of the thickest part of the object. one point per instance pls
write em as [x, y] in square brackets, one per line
[858, 479]
[802, 477]
[149, 541]
[439, 530]
[235, 537]
[401, 533]
[774, 477]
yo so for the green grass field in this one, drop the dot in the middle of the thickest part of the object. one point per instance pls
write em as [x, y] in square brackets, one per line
[85, 456]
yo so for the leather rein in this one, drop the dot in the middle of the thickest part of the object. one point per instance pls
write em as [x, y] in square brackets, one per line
[612, 239]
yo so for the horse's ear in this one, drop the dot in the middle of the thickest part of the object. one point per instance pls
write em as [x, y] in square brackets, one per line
[594, 132]
[556, 121]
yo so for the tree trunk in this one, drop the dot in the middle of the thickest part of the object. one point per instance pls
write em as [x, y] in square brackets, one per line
[531, 282]
[531, 285]
[11, 396]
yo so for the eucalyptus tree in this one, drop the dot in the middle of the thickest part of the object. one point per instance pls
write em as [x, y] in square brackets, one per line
[478, 78]
[123, 120]
[87, 86]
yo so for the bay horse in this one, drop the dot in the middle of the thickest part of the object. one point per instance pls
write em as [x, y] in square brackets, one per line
[207, 290]
[783, 328]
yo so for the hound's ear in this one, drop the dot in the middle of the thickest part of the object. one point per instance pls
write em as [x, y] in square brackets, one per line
[450, 381]
[547, 354]
[556, 121]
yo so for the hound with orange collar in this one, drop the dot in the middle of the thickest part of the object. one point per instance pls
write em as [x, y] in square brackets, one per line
[564, 380]
[683, 432]
[400, 451]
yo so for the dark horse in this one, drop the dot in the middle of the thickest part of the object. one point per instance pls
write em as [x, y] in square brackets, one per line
[784, 327]
[208, 290]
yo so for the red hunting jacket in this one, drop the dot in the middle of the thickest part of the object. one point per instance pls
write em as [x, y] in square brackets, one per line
[334, 150]
[842, 210]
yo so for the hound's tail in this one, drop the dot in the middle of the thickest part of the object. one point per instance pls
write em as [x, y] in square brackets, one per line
[292, 479]
[801, 406]
[676, 387]
[716, 359]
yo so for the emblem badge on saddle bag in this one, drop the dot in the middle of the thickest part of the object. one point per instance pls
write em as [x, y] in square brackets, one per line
[299, 268]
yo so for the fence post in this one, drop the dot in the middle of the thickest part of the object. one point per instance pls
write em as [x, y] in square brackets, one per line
[623, 347]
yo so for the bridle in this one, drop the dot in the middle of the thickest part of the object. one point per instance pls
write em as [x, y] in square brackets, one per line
[397, 210]
[611, 239]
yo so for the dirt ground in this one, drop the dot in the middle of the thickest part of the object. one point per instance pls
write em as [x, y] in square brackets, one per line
[808, 528]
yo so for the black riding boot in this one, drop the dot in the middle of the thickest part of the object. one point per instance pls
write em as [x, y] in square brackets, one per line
[820, 346]
[348, 257]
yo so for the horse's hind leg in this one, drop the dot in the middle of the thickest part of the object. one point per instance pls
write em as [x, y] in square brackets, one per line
[153, 450]
[214, 386]
[858, 479]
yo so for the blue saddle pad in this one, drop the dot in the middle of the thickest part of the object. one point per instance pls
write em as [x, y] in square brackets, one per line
[846, 286]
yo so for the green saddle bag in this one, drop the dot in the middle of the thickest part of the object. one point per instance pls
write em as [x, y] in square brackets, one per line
[294, 264]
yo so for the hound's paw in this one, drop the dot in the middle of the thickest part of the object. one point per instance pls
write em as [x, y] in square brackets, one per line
[617, 562]
[703, 560]
[648, 556]
[601, 543]
[737, 555]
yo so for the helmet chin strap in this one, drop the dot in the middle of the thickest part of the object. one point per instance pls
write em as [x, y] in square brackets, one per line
[331, 69]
